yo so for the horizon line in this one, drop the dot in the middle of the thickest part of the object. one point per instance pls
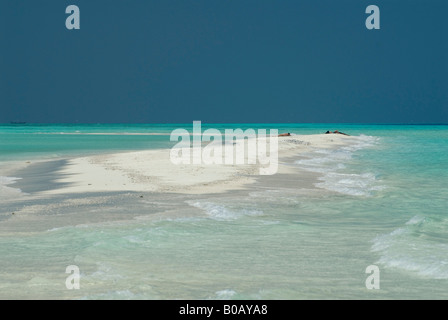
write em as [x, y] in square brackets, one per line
[220, 123]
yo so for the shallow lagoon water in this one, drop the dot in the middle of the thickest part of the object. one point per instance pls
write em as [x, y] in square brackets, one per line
[381, 202]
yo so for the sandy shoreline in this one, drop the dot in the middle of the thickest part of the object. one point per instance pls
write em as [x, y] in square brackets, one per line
[152, 170]
[125, 186]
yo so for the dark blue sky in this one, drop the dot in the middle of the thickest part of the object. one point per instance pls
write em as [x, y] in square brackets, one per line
[224, 61]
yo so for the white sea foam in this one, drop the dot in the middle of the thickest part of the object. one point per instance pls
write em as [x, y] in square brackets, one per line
[7, 192]
[352, 184]
[333, 165]
[416, 220]
[225, 294]
[7, 180]
[221, 212]
[104, 272]
[409, 248]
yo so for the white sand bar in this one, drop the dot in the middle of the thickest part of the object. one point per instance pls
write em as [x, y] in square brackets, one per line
[152, 170]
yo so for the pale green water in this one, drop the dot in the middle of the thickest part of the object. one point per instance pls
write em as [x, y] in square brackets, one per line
[382, 201]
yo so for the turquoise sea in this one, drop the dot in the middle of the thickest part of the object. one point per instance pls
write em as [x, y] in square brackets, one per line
[381, 201]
